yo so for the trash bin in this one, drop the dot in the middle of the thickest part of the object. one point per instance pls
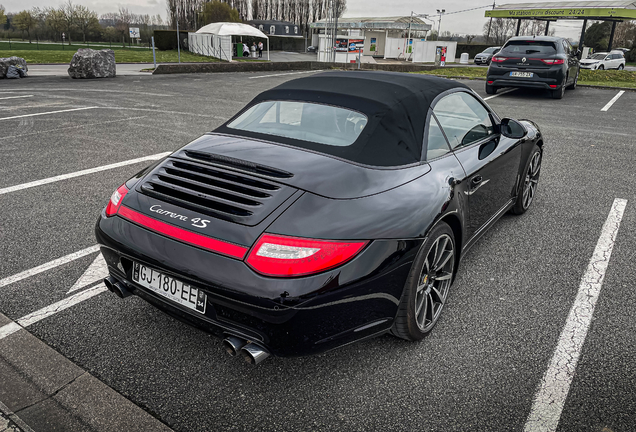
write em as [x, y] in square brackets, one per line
[463, 59]
[239, 49]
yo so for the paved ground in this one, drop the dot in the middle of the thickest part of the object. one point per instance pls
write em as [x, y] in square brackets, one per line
[478, 371]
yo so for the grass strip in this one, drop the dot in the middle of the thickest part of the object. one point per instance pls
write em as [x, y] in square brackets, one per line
[121, 56]
[609, 78]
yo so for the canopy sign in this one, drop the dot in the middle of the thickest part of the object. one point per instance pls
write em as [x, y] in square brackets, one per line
[569, 13]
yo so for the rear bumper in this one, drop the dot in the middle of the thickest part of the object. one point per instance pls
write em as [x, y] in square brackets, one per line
[541, 79]
[288, 317]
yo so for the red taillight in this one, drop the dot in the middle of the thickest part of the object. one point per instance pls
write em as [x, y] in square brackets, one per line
[499, 59]
[281, 256]
[115, 200]
[553, 61]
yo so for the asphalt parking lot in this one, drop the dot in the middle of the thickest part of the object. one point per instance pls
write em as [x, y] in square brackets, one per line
[479, 370]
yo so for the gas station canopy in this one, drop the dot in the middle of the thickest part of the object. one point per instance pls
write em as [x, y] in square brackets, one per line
[579, 10]
[595, 10]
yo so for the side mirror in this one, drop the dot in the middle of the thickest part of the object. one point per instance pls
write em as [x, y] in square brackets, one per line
[512, 129]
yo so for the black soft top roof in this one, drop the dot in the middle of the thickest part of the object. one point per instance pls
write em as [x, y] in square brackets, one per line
[395, 104]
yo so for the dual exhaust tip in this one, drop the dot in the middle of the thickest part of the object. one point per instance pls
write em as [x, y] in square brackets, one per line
[251, 353]
[116, 287]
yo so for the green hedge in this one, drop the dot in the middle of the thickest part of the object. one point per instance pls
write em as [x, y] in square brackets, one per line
[167, 39]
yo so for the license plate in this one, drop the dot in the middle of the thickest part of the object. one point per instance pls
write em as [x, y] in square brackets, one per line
[169, 287]
[522, 74]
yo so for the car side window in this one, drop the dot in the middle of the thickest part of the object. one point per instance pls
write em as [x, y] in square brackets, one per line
[463, 119]
[436, 144]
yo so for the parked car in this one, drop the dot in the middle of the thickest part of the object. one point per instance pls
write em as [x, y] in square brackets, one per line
[322, 213]
[485, 56]
[311, 49]
[604, 60]
[541, 62]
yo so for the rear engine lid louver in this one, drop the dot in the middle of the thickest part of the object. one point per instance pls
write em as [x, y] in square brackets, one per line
[215, 190]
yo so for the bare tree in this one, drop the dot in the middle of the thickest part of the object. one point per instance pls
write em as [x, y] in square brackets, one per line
[69, 17]
[85, 20]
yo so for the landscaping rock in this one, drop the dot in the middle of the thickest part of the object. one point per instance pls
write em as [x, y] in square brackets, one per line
[89, 63]
[11, 61]
[15, 72]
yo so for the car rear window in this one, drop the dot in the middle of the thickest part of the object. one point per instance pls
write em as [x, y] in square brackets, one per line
[529, 47]
[322, 124]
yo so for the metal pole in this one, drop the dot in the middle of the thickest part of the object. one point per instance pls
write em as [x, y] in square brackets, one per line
[490, 24]
[267, 49]
[547, 28]
[178, 41]
[335, 26]
[439, 25]
[518, 26]
[154, 58]
[410, 21]
[611, 39]
[582, 40]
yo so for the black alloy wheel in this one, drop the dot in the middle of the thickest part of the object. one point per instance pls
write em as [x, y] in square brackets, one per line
[491, 90]
[576, 80]
[530, 182]
[427, 287]
[560, 92]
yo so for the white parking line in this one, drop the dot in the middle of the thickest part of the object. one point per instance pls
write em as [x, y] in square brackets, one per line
[614, 99]
[49, 310]
[287, 73]
[500, 93]
[47, 266]
[47, 113]
[555, 385]
[81, 173]
[15, 97]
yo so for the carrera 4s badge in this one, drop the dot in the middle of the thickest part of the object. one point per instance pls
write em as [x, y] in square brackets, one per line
[196, 222]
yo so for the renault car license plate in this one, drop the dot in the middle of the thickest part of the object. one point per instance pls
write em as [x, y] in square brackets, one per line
[169, 287]
[521, 74]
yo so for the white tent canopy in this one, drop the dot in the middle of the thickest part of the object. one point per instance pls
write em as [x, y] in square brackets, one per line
[234, 29]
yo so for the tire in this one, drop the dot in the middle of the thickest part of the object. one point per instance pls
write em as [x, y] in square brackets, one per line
[621, 67]
[576, 80]
[601, 67]
[559, 93]
[528, 188]
[491, 90]
[427, 286]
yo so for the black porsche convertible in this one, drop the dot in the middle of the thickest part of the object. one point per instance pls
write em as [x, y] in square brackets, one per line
[332, 208]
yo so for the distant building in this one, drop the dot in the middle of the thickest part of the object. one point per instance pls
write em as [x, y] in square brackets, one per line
[277, 28]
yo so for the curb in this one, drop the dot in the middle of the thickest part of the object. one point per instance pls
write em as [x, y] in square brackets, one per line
[632, 89]
[42, 390]
[13, 421]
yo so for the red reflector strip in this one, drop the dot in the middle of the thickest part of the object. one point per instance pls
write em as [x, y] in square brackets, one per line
[185, 236]
[490, 82]
[553, 86]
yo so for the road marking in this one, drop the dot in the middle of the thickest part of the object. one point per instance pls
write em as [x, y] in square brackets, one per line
[500, 93]
[97, 271]
[555, 385]
[16, 97]
[614, 99]
[78, 127]
[81, 173]
[48, 266]
[49, 310]
[29, 89]
[286, 73]
[47, 113]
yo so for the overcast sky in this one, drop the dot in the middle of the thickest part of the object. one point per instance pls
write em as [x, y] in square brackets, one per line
[463, 23]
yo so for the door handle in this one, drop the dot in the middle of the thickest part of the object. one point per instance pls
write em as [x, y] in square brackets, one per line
[476, 180]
